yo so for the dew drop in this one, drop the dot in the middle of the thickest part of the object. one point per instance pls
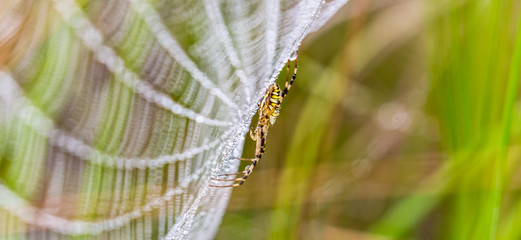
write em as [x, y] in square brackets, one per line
[294, 56]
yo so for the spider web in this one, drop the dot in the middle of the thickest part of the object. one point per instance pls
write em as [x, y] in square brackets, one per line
[115, 114]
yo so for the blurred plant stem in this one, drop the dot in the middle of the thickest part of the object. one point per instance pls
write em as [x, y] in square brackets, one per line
[475, 97]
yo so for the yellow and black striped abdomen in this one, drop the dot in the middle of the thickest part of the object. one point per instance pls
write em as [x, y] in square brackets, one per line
[270, 106]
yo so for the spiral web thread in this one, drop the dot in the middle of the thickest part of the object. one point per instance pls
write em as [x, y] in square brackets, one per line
[115, 114]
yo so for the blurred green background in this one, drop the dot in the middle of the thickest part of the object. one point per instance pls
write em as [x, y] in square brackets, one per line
[403, 123]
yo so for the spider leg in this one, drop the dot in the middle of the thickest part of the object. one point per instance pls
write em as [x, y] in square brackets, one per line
[232, 174]
[246, 172]
[234, 185]
[227, 180]
[287, 72]
[288, 84]
[245, 159]
[252, 134]
[264, 121]
[241, 181]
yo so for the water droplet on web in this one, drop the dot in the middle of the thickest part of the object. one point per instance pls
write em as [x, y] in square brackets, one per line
[293, 56]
